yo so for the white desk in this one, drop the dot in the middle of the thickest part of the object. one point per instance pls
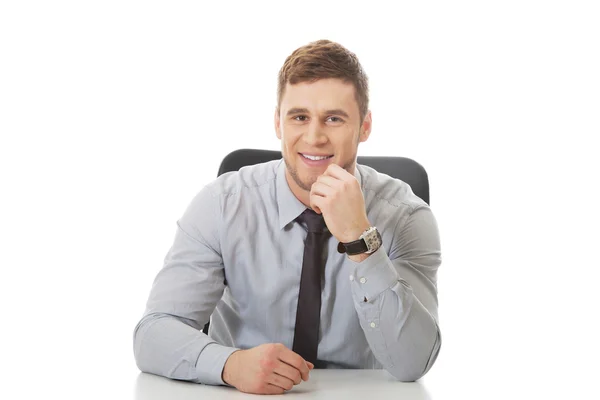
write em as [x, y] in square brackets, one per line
[323, 384]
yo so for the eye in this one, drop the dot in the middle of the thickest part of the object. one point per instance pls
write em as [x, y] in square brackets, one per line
[300, 118]
[334, 119]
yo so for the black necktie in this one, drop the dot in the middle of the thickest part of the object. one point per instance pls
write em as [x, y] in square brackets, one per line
[306, 332]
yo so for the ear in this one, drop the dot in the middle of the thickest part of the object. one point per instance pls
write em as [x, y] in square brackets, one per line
[277, 123]
[365, 130]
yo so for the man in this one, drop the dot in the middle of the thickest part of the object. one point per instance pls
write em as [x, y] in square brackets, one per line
[310, 261]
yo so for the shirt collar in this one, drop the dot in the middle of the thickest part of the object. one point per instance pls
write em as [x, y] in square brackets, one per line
[289, 206]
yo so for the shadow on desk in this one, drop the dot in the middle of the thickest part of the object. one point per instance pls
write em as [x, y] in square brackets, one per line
[323, 384]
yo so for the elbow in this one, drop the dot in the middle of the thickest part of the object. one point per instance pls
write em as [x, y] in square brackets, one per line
[406, 375]
[413, 371]
[141, 351]
[137, 344]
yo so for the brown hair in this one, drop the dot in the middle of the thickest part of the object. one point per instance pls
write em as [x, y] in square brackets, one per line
[325, 59]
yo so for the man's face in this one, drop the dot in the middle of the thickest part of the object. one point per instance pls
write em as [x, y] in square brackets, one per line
[319, 124]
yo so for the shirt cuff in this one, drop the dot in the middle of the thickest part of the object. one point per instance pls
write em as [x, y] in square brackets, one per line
[209, 366]
[373, 275]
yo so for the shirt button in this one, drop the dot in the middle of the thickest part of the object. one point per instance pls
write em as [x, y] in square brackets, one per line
[351, 277]
[373, 325]
[363, 280]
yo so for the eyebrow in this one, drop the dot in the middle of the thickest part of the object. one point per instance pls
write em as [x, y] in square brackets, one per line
[337, 111]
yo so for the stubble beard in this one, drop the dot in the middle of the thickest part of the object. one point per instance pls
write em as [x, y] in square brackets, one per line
[308, 185]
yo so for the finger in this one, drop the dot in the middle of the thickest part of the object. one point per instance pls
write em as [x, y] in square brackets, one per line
[322, 189]
[316, 201]
[280, 381]
[338, 172]
[273, 389]
[289, 372]
[293, 359]
[310, 365]
[329, 181]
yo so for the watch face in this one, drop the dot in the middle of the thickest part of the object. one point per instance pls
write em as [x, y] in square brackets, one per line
[373, 240]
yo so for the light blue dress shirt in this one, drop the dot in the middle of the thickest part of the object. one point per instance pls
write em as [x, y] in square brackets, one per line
[237, 255]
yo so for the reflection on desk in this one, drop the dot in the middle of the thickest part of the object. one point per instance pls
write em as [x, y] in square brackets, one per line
[327, 384]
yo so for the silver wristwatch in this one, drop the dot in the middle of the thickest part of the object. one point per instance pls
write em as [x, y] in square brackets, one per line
[368, 242]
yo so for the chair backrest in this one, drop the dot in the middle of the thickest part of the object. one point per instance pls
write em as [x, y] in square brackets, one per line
[402, 168]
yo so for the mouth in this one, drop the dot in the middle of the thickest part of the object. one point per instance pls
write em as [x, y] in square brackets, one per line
[314, 157]
[316, 160]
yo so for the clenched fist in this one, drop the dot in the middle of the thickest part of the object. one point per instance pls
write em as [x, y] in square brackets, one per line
[270, 368]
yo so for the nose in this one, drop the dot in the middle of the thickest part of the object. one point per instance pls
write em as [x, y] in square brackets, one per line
[315, 134]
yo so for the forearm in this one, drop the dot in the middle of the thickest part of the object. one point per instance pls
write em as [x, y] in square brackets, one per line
[402, 333]
[165, 345]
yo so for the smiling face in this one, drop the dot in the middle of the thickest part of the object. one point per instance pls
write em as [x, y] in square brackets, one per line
[319, 123]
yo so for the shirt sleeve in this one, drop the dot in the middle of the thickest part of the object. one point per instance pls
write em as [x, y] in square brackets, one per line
[395, 297]
[168, 340]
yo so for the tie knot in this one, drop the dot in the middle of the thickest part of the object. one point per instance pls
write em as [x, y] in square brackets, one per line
[314, 221]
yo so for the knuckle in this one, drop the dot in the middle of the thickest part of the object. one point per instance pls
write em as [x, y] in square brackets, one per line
[272, 350]
[267, 364]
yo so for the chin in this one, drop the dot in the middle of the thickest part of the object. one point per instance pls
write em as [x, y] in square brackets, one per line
[302, 182]
[305, 182]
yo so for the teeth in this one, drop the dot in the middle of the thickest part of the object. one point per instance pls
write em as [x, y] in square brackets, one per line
[315, 158]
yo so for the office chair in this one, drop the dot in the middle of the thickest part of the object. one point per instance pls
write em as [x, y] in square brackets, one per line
[402, 168]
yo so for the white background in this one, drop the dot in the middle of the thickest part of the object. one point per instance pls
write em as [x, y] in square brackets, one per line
[114, 114]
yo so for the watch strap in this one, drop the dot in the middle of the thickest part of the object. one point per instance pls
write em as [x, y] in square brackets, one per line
[351, 248]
